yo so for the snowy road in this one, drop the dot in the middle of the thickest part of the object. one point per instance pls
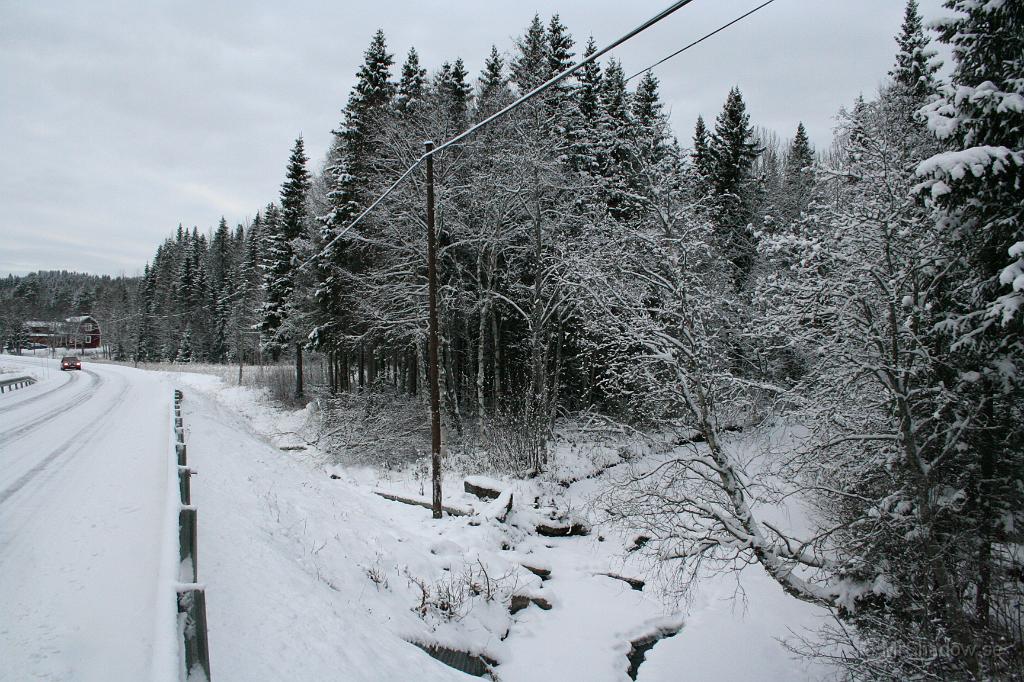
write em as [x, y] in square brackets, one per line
[83, 508]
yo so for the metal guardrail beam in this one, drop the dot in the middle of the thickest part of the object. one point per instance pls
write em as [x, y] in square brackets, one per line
[185, 484]
[192, 610]
[191, 595]
[187, 535]
[16, 382]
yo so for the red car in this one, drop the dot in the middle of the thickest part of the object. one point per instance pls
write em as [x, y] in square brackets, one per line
[70, 362]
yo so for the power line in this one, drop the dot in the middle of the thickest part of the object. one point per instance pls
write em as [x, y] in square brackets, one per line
[700, 40]
[679, 4]
[567, 72]
[362, 215]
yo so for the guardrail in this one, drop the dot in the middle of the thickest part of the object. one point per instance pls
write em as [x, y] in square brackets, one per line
[16, 382]
[191, 595]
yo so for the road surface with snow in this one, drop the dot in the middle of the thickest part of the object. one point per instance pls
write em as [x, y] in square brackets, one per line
[83, 523]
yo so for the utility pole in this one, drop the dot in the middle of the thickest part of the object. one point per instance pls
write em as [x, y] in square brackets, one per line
[435, 388]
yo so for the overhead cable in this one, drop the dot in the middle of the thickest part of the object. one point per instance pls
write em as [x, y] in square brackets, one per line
[700, 40]
[679, 4]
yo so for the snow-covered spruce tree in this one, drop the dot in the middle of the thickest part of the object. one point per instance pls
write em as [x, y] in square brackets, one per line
[411, 84]
[976, 190]
[560, 57]
[294, 197]
[145, 340]
[453, 93]
[797, 177]
[732, 151]
[246, 300]
[977, 186]
[220, 255]
[185, 286]
[913, 76]
[559, 49]
[219, 266]
[915, 66]
[581, 132]
[191, 299]
[281, 322]
[651, 131]
[276, 281]
[348, 169]
[530, 64]
[493, 88]
[700, 158]
[614, 132]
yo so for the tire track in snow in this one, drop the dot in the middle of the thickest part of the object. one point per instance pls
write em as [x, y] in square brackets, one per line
[56, 411]
[81, 438]
[7, 408]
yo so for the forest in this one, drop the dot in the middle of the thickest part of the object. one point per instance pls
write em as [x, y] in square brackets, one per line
[58, 294]
[594, 265]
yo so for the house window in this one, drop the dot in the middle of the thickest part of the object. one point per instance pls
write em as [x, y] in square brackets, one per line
[88, 339]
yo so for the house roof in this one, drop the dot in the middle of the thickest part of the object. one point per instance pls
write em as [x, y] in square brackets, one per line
[57, 325]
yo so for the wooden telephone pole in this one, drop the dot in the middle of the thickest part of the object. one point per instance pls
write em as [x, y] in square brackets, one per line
[435, 387]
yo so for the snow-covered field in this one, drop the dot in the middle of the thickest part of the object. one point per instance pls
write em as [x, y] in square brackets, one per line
[310, 575]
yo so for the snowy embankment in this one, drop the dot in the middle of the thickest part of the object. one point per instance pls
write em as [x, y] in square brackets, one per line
[310, 575]
[47, 375]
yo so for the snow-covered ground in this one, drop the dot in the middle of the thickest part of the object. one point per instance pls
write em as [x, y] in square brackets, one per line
[309, 574]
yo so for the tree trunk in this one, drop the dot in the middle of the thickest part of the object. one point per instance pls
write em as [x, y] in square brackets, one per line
[330, 372]
[371, 365]
[537, 387]
[241, 355]
[298, 371]
[362, 366]
[448, 386]
[346, 371]
[557, 372]
[414, 369]
[481, 405]
[498, 369]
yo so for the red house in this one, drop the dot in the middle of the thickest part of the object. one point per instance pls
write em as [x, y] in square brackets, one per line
[82, 331]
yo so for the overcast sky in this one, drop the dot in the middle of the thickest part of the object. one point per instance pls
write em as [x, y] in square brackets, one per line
[120, 119]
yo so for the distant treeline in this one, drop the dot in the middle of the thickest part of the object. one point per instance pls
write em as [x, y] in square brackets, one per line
[53, 295]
